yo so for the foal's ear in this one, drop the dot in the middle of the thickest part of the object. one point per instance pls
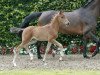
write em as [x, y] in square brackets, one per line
[61, 12]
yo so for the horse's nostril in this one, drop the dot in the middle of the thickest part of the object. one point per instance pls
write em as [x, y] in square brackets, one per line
[68, 23]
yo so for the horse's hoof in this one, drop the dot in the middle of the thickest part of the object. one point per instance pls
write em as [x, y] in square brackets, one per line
[39, 57]
[53, 54]
[87, 57]
[14, 64]
[45, 64]
[94, 53]
[60, 59]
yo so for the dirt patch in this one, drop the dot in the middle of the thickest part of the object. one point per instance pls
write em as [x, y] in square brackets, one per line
[73, 62]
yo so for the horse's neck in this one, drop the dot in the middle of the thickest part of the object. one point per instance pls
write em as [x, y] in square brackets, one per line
[55, 25]
[94, 7]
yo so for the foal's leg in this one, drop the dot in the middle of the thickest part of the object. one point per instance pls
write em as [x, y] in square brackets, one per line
[60, 47]
[46, 51]
[16, 53]
[28, 50]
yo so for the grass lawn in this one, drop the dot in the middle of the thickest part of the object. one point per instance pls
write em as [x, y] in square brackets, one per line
[49, 72]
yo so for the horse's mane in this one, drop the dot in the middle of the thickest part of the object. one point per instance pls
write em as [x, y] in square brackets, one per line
[88, 3]
[54, 16]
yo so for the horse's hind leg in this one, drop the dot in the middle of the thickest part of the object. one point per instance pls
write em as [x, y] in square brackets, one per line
[97, 41]
[16, 53]
[60, 47]
[46, 51]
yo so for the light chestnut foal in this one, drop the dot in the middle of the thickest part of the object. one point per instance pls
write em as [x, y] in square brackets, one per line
[48, 33]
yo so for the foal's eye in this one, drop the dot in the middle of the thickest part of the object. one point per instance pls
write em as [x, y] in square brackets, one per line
[62, 17]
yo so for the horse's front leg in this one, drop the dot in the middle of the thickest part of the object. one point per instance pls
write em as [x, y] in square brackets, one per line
[85, 48]
[38, 49]
[46, 51]
[16, 51]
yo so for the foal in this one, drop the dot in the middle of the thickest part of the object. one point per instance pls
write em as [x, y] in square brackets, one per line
[48, 33]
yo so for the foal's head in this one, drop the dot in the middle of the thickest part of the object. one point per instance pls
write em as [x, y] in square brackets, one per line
[62, 18]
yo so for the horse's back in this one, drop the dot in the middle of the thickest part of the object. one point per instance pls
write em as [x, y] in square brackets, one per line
[46, 17]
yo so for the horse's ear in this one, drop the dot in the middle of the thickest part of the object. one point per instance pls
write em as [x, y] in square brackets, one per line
[61, 11]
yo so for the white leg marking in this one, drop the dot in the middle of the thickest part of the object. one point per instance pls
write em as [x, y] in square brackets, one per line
[47, 49]
[15, 55]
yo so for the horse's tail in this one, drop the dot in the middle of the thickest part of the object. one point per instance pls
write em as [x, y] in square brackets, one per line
[25, 23]
[16, 30]
[29, 18]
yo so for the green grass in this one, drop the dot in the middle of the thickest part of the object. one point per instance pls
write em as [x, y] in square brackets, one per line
[49, 72]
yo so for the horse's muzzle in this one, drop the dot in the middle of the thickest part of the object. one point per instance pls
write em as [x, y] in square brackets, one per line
[68, 23]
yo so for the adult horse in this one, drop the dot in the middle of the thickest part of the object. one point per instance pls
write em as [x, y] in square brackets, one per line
[82, 22]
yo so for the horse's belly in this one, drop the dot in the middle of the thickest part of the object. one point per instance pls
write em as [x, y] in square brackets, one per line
[41, 36]
[72, 30]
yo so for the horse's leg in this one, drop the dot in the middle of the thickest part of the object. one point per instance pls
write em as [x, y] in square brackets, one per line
[97, 41]
[86, 30]
[28, 50]
[38, 49]
[46, 51]
[15, 55]
[16, 51]
[60, 47]
[85, 47]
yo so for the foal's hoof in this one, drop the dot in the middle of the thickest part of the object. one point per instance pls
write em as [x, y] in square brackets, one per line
[39, 57]
[45, 63]
[94, 53]
[60, 59]
[14, 64]
[87, 57]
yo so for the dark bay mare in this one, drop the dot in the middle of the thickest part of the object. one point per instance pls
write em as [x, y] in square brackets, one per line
[82, 22]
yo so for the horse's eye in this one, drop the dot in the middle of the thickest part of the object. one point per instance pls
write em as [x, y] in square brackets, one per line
[62, 17]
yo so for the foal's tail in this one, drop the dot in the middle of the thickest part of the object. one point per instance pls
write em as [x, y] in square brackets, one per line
[16, 30]
[25, 23]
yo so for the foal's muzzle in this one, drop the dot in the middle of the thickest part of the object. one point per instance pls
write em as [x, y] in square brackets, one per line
[68, 23]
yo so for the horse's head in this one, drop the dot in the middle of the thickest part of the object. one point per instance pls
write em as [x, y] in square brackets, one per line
[62, 19]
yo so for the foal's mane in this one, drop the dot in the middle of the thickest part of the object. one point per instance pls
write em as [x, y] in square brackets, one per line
[53, 18]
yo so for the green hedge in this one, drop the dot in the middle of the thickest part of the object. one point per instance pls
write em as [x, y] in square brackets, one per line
[12, 12]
